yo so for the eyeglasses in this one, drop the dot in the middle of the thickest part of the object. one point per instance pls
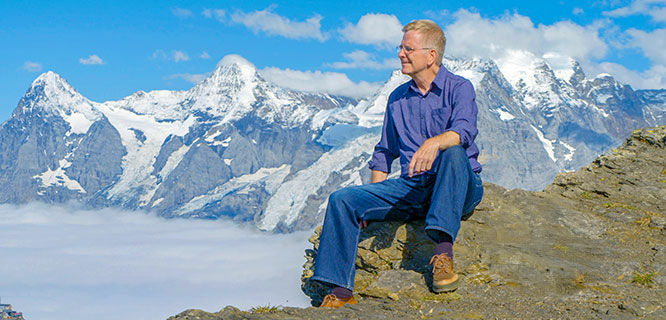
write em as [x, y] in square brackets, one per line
[408, 49]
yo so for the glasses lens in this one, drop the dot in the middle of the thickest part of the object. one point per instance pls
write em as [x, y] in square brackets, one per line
[407, 49]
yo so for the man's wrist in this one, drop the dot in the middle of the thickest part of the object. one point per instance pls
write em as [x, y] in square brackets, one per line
[447, 140]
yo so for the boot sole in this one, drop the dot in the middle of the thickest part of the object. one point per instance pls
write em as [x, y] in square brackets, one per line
[446, 287]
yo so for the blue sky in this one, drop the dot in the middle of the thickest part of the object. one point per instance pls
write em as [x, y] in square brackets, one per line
[110, 49]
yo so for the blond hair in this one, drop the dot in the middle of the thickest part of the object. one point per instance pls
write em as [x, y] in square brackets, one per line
[432, 35]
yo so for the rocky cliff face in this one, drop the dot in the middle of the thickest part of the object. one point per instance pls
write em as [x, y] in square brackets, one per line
[591, 245]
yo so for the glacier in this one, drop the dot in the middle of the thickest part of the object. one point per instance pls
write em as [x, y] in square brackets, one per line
[238, 146]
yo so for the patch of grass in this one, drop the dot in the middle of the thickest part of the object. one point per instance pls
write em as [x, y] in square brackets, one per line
[415, 304]
[611, 205]
[479, 278]
[264, 309]
[579, 280]
[644, 279]
[441, 296]
[586, 195]
[644, 222]
[560, 247]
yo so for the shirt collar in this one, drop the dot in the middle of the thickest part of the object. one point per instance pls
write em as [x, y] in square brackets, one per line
[436, 85]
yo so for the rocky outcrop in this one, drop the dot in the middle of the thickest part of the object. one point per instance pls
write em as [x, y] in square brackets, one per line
[591, 245]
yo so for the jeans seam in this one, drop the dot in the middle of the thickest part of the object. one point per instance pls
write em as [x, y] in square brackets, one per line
[389, 207]
[350, 281]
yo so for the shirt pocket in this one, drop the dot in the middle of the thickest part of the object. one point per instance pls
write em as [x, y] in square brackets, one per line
[439, 121]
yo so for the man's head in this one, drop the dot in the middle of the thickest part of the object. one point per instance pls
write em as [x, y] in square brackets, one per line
[422, 48]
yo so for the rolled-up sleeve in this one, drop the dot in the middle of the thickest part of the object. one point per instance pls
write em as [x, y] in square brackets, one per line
[464, 113]
[387, 149]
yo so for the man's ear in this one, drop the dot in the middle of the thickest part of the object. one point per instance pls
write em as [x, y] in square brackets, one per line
[432, 56]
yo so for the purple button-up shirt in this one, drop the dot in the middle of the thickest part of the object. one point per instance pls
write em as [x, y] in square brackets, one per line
[412, 117]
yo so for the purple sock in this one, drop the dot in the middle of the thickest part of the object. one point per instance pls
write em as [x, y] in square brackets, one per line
[342, 293]
[443, 242]
[444, 247]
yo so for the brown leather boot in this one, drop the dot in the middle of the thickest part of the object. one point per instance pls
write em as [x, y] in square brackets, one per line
[444, 279]
[331, 301]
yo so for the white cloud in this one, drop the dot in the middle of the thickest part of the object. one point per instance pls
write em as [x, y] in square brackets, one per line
[472, 35]
[92, 59]
[275, 25]
[436, 15]
[653, 78]
[360, 59]
[204, 55]
[377, 29]
[181, 13]
[219, 14]
[189, 77]
[653, 44]
[317, 81]
[32, 66]
[158, 54]
[77, 264]
[577, 11]
[179, 56]
[652, 8]
[175, 55]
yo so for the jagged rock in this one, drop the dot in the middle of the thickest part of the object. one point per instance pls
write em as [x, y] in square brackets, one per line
[571, 249]
[591, 245]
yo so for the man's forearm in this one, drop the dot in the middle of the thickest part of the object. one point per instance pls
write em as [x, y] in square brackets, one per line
[378, 176]
[447, 140]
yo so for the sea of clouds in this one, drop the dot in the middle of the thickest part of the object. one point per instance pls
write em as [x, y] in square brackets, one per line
[62, 262]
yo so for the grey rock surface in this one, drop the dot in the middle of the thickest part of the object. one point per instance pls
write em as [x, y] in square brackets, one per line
[591, 245]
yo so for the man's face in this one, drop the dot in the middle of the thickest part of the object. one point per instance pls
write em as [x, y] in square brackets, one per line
[415, 61]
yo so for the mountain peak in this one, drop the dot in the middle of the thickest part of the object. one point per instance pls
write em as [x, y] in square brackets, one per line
[232, 59]
[235, 66]
[52, 94]
[232, 83]
[51, 80]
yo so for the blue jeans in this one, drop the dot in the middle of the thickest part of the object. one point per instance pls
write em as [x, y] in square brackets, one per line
[443, 197]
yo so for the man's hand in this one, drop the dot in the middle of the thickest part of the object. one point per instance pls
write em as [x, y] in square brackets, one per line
[424, 157]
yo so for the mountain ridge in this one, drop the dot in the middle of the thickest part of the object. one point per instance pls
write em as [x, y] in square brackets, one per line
[235, 144]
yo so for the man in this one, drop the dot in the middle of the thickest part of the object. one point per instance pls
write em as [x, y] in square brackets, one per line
[430, 124]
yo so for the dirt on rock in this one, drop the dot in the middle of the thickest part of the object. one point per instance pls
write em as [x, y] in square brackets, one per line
[591, 245]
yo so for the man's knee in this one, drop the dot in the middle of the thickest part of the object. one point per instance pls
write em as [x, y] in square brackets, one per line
[452, 154]
[341, 195]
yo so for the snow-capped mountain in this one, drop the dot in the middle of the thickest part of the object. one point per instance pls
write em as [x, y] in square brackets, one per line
[238, 146]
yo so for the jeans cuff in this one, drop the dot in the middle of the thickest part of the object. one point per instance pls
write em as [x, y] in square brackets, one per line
[453, 236]
[332, 282]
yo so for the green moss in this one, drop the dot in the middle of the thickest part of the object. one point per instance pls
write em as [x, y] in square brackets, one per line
[479, 278]
[579, 280]
[611, 205]
[586, 195]
[415, 304]
[644, 279]
[561, 247]
[264, 309]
